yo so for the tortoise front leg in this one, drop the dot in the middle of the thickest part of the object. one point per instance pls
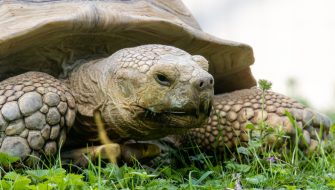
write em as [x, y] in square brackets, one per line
[36, 112]
[108, 150]
[232, 111]
[82, 156]
[111, 152]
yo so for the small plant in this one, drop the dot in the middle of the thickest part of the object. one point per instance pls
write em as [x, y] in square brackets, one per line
[264, 85]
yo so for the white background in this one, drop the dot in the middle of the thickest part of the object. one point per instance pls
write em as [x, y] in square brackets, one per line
[290, 38]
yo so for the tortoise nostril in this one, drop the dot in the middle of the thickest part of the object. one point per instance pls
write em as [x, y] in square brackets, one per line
[204, 83]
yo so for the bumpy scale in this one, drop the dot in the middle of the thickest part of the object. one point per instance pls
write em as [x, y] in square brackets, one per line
[231, 112]
[36, 112]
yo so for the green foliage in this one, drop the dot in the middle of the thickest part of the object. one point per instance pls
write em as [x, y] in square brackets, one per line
[13, 180]
[256, 166]
[256, 180]
[7, 160]
[252, 166]
[264, 85]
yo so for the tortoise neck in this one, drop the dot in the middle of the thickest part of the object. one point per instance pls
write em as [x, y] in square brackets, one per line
[89, 83]
[84, 82]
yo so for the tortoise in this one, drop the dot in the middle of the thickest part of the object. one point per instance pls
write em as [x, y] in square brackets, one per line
[143, 69]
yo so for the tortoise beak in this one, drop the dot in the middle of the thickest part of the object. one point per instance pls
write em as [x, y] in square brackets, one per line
[206, 107]
[193, 113]
[198, 108]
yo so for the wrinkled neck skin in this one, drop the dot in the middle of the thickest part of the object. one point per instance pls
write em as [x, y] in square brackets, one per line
[94, 88]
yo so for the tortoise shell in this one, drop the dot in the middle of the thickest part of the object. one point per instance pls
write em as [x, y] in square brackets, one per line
[54, 35]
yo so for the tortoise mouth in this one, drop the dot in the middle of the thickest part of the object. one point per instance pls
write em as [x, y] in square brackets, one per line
[176, 118]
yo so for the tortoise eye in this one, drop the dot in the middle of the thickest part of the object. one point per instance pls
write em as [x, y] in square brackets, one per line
[163, 80]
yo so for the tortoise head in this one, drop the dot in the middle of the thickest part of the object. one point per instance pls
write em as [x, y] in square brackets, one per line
[150, 91]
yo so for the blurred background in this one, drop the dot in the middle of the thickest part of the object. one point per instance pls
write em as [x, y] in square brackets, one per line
[293, 42]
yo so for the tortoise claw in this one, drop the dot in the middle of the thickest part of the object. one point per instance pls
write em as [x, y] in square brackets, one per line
[82, 156]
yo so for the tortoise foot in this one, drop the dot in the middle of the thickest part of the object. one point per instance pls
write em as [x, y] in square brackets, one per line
[232, 111]
[82, 156]
[36, 112]
[138, 151]
[111, 152]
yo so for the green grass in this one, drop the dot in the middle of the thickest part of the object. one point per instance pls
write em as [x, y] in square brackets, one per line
[254, 166]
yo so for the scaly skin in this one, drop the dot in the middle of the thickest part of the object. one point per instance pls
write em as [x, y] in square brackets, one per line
[232, 111]
[36, 113]
[140, 93]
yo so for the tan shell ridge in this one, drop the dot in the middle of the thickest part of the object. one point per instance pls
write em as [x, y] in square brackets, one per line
[50, 36]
